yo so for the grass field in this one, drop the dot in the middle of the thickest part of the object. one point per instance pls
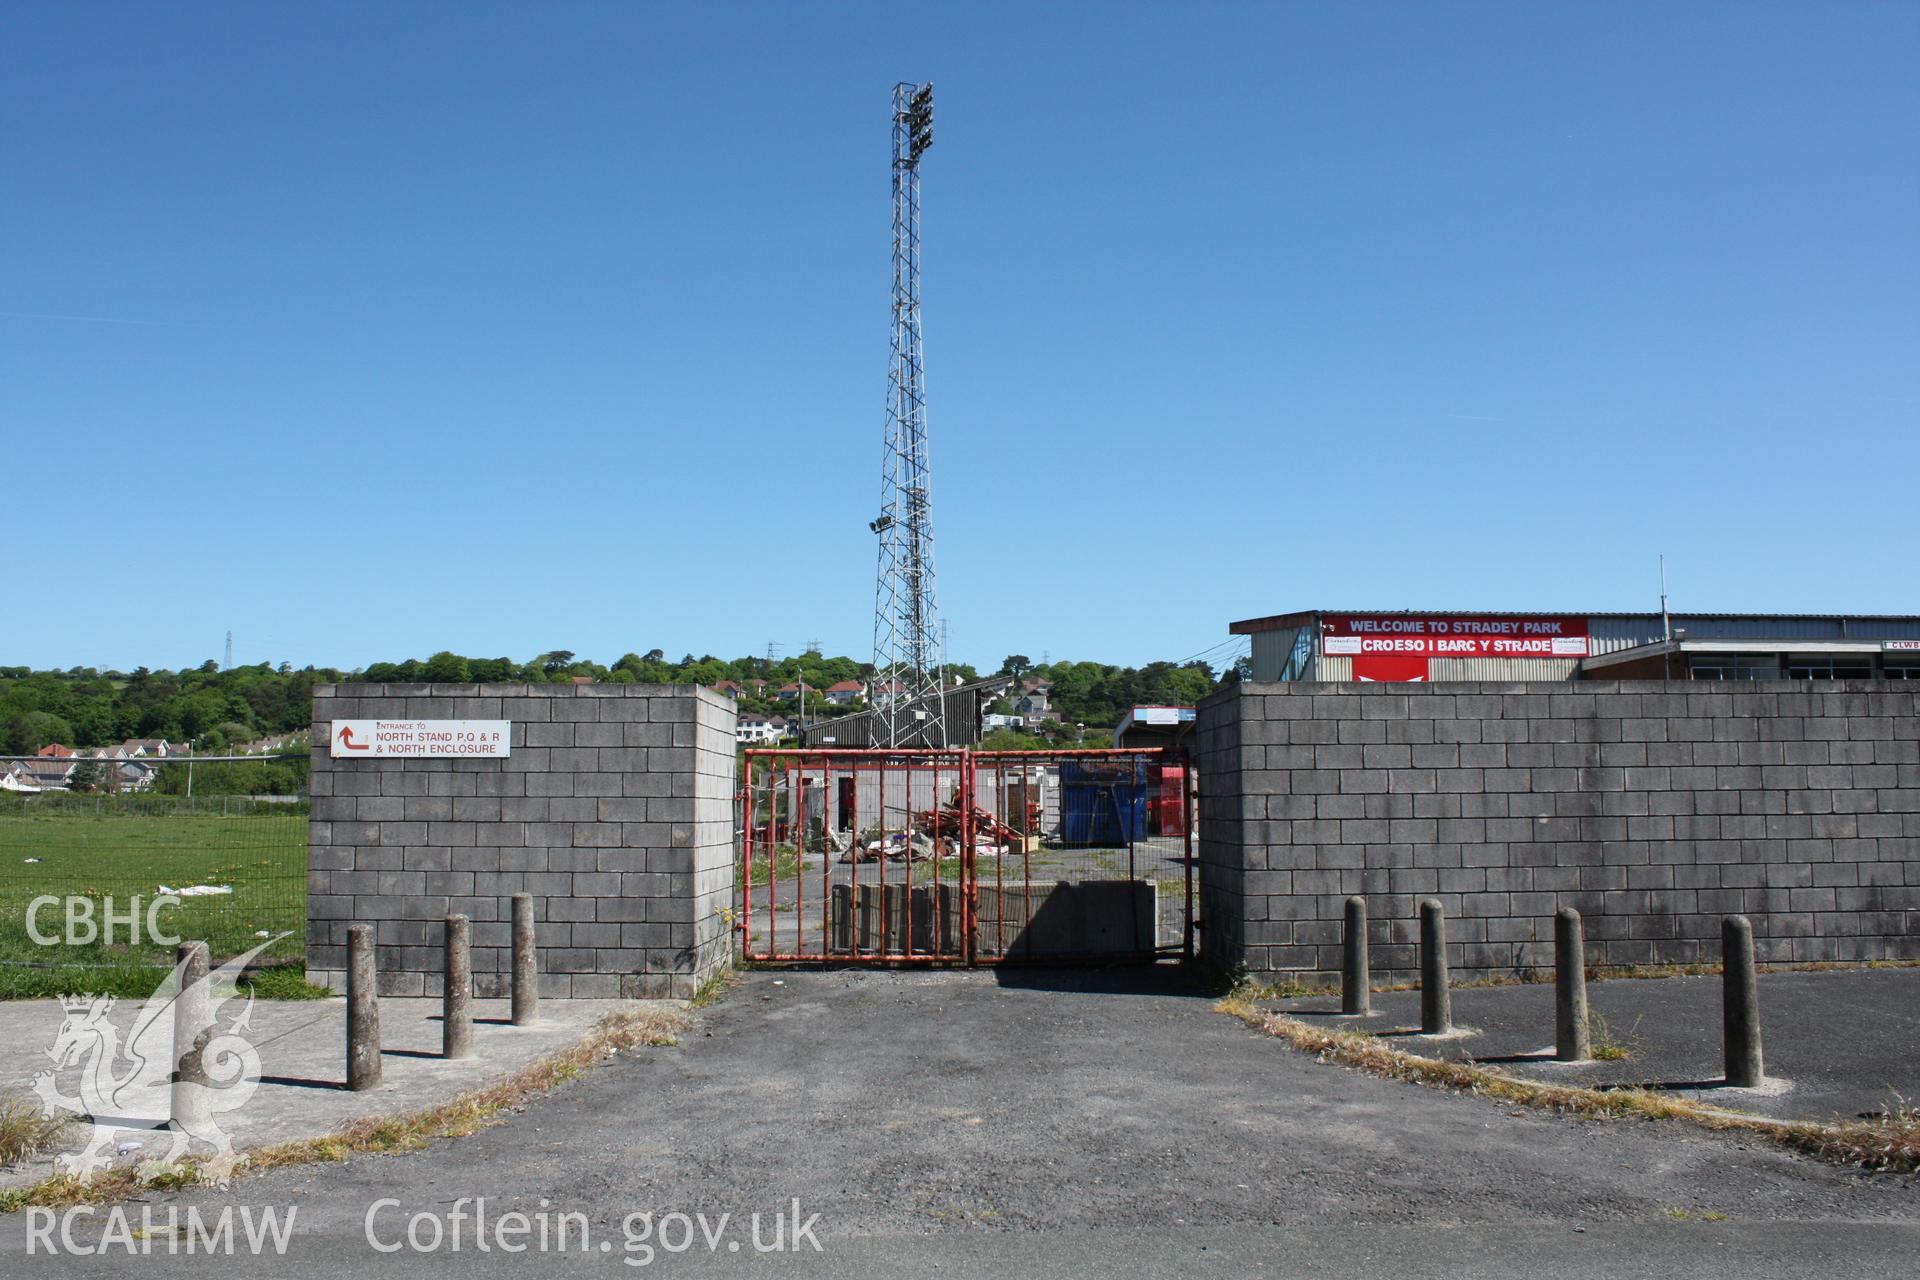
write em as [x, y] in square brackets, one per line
[129, 855]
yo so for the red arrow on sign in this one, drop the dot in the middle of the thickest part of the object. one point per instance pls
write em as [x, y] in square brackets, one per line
[346, 739]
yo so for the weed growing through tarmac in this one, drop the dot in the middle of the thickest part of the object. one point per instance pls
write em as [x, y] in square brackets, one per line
[25, 1128]
[714, 989]
[1286, 989]
[619, 1031]
[1887, 1143]
[1607, 1049]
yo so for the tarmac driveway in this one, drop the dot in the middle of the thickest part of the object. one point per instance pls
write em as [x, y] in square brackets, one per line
[1068, 1124]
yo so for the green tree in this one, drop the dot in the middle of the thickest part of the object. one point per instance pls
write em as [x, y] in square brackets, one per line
[448, 668]
[492, 670]
[29, 732]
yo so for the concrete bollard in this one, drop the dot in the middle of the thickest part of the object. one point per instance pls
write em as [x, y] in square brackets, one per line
[1572, 1037]
[1436, 1002]
[456, 1013]
[526, 967]
[190, 1099]
[1355, 997]
[1740, 1003]
[363, 1011]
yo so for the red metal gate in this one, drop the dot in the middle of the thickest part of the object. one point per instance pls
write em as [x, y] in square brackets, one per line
[965, 857]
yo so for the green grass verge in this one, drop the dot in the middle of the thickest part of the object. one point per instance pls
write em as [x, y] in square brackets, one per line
[126, 854]
[279, 982]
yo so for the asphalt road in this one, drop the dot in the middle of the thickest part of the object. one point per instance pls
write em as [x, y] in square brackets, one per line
[1837, 1043]
[1052, 1125]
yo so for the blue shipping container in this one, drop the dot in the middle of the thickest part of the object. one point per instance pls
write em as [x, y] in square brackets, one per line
[1103, 802]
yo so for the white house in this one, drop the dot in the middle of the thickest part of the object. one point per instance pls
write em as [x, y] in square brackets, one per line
[135, 776]
[52, 773]
[846, 693]
[758, 730]
[1033, 702]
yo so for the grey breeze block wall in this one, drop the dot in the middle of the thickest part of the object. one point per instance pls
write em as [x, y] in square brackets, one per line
[614, 810]
[1654, 809]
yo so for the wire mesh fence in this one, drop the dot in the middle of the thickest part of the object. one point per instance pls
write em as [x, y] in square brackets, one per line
[110, 879]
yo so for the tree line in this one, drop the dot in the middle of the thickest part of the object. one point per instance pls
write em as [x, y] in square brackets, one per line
[218, 710]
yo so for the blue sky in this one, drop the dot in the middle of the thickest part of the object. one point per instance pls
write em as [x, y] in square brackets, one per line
[372, 330]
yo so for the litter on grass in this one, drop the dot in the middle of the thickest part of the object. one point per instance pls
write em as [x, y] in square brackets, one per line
[197, 890]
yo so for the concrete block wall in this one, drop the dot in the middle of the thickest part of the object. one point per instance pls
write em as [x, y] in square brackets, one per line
[1653, 808]
[615, 810]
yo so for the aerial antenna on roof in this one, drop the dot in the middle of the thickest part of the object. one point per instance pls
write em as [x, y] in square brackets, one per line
[1666, 619]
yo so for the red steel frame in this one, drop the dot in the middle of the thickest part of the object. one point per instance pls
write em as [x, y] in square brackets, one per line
[836, 764]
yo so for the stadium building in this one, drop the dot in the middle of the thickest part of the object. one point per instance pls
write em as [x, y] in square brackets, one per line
[1332, 645]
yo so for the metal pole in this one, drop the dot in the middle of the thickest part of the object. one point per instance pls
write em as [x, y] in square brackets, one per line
[1355, 992]
[1740, 1003]
[190, 1098]
[1189, 816]
[526, 975]
[363, 1011]
[1572, 1037]
[1436, 1003]
[456, 1012]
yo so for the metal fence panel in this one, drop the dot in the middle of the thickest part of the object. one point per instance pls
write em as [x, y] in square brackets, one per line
[76, 869]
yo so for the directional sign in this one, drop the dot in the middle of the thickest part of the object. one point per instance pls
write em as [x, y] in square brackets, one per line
[365, 738]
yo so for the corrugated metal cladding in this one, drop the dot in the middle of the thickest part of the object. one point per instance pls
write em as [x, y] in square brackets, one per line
[1494, 668]
[857, 730]
[1271, 652]
[1610, 635]
[1762, 628]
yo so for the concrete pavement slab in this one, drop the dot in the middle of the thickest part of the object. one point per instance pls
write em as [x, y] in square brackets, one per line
[302, 1049]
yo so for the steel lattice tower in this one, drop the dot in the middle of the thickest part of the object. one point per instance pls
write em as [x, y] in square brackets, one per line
[907, 653]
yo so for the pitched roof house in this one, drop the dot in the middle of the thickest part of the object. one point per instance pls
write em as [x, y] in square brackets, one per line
[846, 692]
